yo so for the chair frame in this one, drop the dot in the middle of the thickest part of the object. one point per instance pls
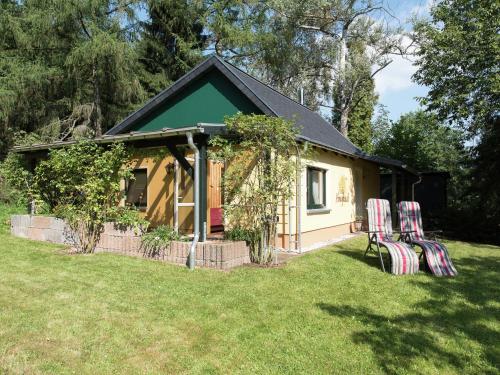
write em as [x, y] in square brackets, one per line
[406, 237]
[373, 239]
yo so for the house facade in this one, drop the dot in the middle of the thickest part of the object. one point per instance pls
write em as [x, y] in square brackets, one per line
[174, 128]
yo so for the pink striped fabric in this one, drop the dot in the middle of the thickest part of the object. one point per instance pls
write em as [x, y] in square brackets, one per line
[436, 253]
[404, 260]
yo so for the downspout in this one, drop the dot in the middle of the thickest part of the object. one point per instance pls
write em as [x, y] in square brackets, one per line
[413, 187]
[298, 188]
[192, 250]
[290, 209]
[298, 199]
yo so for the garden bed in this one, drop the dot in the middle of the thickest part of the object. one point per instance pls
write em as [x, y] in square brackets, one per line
[116, 239]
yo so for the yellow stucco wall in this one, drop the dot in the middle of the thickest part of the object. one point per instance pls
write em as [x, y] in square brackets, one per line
[160, 187]
[340, 208]
[336, 220]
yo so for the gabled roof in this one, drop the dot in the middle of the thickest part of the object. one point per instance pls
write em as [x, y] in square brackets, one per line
[313, 128]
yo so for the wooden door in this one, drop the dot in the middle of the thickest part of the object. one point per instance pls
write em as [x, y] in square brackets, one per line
[215, 196]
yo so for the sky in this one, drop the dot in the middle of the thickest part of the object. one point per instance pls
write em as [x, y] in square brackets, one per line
[393, 84]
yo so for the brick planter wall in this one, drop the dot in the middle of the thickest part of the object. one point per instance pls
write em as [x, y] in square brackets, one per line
[212, 254]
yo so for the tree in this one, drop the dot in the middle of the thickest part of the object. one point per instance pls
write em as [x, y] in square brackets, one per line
[66, 64]
[421, 141]
[32, 86]
[360, 120]
[458, 59]
[102, 63]
[172, 41]
[364, 100]
[258, 153]
[330, 48]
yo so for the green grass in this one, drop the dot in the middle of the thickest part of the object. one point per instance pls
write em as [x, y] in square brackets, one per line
[329, 311]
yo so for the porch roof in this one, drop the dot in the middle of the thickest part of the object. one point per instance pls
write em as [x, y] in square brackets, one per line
[147, 138]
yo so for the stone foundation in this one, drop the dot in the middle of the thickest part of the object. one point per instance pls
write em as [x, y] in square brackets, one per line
[212, 254]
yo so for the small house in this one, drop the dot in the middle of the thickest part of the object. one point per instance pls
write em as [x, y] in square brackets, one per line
[331, 193]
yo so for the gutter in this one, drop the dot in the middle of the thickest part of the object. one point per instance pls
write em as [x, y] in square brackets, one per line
[373, 159]
[130, 137]
[192, 250]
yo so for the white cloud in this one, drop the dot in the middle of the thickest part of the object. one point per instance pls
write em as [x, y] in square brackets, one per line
[396, 76]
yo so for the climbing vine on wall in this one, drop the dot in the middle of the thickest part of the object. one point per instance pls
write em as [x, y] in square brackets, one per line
[259, 155]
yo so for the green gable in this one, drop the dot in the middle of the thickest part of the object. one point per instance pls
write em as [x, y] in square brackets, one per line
[208, 99]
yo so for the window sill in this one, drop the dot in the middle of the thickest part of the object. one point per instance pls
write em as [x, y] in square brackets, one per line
[317, 211]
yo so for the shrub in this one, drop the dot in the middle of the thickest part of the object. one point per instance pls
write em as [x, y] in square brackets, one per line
[81, 184]
[128, 217]
[15, 181]
[155, 242]
[251, 237]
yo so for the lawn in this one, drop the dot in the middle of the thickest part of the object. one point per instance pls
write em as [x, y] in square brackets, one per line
[329, 311]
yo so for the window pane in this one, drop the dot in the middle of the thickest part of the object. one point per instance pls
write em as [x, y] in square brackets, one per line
[137, 192]
[316, 188]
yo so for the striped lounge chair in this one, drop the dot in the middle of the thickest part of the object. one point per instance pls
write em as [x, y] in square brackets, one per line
[435, 253]
[403, 258]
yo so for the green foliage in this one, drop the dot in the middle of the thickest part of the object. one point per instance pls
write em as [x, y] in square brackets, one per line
[459, 56]
[81, 183]
[240, 234]
[15, 181]
[128, 217]
[171, 42]
[364, 99]
[320, 46]
[157, 241]
[260, 172]
[421, 141]
[66, 65]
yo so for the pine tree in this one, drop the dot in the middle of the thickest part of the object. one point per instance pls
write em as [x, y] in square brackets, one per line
[172, 41]
[64, 65]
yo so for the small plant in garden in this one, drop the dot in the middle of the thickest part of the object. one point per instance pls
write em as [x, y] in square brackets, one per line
[157, 241]
[241, 234]
[128, 217]
[260, 170]
[81, 184]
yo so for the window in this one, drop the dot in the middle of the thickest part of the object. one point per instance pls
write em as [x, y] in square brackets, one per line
[316, 188]
[137, 189]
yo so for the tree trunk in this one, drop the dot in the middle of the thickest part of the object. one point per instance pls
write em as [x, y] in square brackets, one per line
[345, 108]
[344, 117]
[97, 103]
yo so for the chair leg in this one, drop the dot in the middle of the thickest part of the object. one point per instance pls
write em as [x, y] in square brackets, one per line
[368, 248]
[381, 259]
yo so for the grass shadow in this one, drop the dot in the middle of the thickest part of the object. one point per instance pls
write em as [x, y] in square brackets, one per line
[457, 310]
[371, 259]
